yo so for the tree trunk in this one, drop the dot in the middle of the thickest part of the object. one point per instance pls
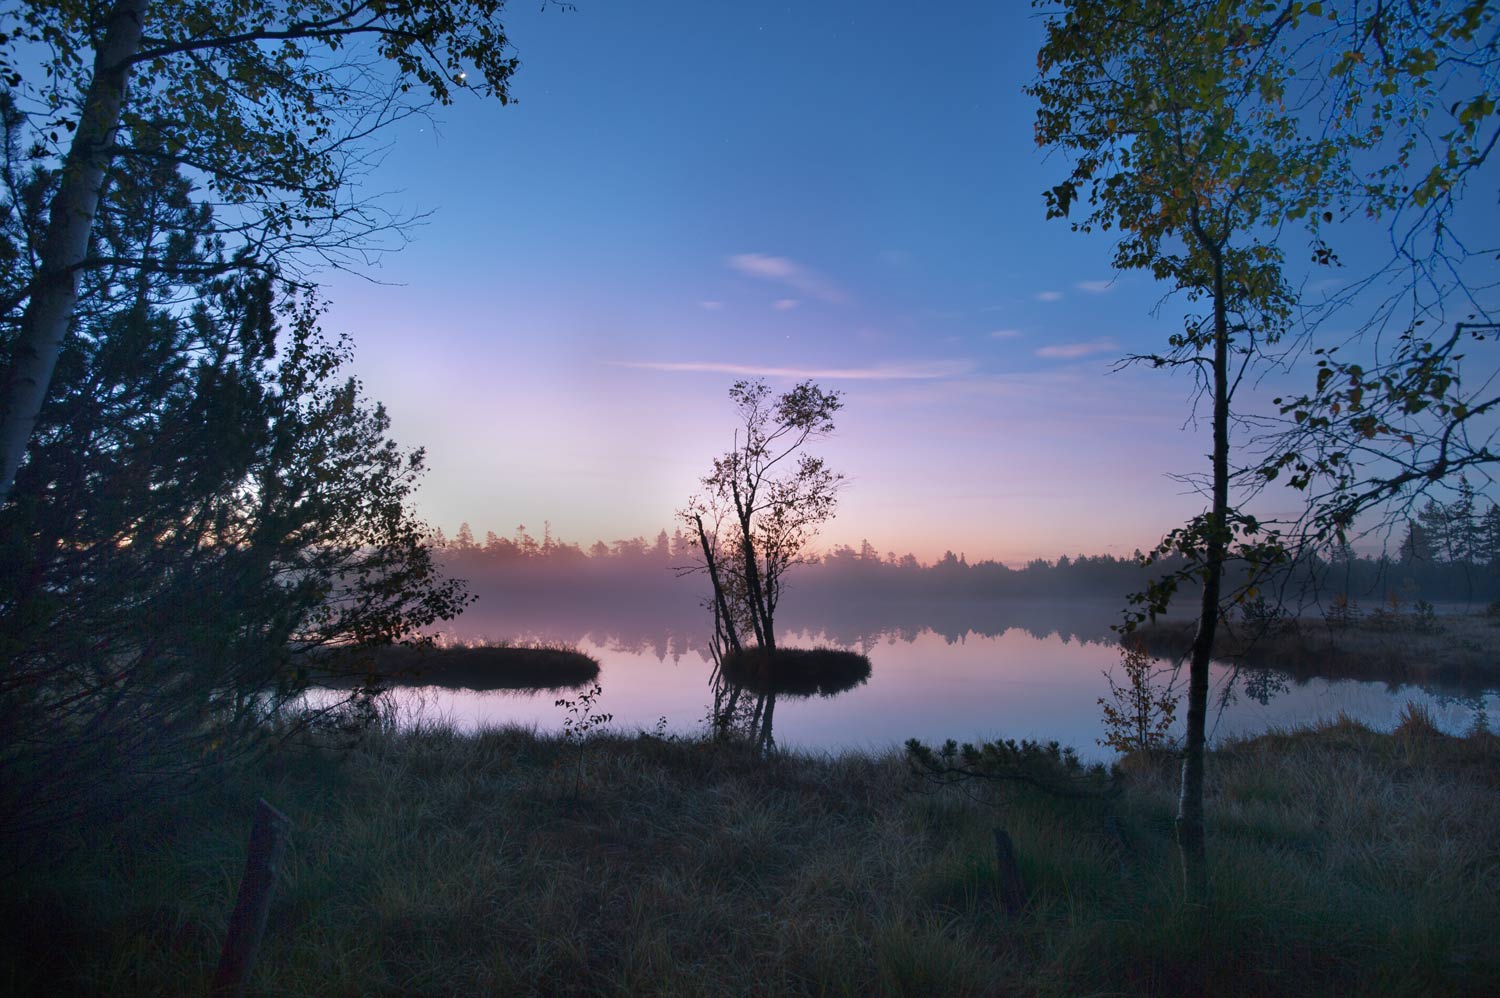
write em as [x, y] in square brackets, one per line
[1190, 836]
[70, 219]
[762, 629]
[743, 510]
[768, 624]
[721, 602]
[753, 589]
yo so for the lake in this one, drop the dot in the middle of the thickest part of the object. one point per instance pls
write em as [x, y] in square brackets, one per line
[966, 670]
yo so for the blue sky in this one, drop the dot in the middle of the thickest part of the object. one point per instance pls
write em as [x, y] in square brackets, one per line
[687, 193]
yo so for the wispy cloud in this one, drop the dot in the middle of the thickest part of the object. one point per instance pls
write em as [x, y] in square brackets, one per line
[911, 371]
[1048, 296]
[712, 306]
[785, 304]
[1072, 351]
[1005, 334]
[1095, 287]
[788, 272]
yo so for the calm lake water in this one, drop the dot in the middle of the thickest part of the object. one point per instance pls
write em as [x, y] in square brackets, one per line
[974, 671]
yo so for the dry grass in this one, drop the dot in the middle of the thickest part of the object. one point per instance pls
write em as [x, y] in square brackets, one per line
[429, 862]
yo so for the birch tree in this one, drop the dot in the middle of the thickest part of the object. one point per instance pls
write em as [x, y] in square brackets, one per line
[270, 103]
[1172, 116]
[1213, 136]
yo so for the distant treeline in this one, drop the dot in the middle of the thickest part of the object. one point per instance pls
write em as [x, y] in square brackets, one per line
[1449, 553]
[862, 570]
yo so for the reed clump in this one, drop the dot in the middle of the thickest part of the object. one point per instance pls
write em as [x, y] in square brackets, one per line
[427, 861]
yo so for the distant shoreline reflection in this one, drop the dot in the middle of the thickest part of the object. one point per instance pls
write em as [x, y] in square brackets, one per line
[1030, 670]
[677, 628]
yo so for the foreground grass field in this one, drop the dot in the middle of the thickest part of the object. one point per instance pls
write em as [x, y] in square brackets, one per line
[429, 862]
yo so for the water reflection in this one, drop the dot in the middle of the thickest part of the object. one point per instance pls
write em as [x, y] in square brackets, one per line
[971, 670]
[747, 684]
[674, 625]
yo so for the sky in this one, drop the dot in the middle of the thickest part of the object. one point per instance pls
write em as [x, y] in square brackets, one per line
[685, 194]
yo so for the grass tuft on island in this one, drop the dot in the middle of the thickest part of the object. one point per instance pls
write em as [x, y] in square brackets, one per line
[426, 861]
[797, 672]
[484, 667]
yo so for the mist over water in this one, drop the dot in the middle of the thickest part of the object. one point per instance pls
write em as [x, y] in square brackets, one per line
[960, 668]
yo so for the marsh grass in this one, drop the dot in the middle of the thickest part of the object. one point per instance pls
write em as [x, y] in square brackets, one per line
[432, 862]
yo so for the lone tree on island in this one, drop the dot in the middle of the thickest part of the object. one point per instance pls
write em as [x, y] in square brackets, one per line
[760, 506]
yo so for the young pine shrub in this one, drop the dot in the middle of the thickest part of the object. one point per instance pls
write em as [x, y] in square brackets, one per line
[1426, 620]
[1342, 612]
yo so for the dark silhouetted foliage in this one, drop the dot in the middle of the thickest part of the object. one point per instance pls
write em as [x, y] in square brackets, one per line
[209, 516]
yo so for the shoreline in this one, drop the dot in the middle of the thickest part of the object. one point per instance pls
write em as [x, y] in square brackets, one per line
[1455, 652]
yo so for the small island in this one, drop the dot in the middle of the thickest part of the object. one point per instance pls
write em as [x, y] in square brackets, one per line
[485, 666]
[797, 672]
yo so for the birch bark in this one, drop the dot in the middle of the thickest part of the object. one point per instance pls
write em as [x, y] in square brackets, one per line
[70, 219]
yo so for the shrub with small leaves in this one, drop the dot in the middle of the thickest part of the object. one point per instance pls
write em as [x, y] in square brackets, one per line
[582, 719]
[1140, 713]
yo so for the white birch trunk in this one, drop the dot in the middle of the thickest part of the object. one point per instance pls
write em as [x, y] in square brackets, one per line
[70, 219]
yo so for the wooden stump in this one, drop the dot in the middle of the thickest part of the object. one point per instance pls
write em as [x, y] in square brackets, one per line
[1012, 892]
[247, 925]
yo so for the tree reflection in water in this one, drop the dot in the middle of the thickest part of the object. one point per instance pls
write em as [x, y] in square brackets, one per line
[765, 675]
